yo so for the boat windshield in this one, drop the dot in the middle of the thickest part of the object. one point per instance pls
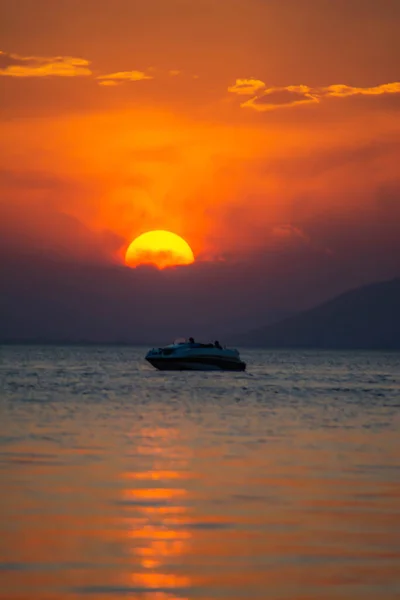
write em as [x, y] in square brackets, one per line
[180, 340]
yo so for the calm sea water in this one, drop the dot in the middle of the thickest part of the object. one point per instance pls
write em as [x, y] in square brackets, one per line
[118, 481]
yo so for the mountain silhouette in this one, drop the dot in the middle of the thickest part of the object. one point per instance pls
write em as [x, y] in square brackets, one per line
[367, 317]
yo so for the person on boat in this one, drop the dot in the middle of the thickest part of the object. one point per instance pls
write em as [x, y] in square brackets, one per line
[217, 344]
[191, 340]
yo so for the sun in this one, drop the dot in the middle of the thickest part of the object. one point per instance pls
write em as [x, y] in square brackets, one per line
[160, 248]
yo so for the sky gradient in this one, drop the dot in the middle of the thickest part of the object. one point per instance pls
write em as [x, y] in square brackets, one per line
[265, 133]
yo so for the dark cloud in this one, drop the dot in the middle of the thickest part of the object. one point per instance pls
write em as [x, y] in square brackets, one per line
[55, 299]
[36, 180]
[43, 231]
[365, 238]
[305, 164]
[72, 301]
[49, 282]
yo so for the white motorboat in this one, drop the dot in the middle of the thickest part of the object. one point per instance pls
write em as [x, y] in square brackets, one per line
[192, 356]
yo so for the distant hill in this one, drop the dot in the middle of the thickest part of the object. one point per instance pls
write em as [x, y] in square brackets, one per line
[364, 318]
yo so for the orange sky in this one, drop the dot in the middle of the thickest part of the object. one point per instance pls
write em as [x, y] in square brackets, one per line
[241, 125]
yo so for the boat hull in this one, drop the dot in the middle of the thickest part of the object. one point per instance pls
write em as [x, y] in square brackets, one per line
[196, 364]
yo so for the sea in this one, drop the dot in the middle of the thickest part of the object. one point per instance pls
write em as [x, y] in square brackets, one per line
[121, 482]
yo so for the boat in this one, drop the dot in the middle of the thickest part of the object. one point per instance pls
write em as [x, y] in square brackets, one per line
[189, 355]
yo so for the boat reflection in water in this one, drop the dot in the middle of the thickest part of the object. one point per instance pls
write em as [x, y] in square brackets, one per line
[157, 502]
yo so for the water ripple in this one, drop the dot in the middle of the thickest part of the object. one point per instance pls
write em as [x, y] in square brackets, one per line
[120, 481]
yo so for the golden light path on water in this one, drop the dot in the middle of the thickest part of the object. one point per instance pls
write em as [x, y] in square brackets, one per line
[158, 536]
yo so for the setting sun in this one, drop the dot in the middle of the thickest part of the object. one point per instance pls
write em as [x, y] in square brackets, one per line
[159, 248]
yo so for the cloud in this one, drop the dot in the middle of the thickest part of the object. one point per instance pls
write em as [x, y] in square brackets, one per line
[44, 297]
[271, 98]
[290, 268]
[121, 76]
[274, 98]
[113, 79]
[343, 91]
[14, 65]
[287, 231]
[247, 87]
[39, 229]
[109, 83]
[293, 237]
[357, 157]
[18, 179]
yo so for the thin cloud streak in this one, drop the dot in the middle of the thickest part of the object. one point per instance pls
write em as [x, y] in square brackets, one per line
[342, 91]
[14, 65]
[121, 76]
[18, 66]
[272, 98]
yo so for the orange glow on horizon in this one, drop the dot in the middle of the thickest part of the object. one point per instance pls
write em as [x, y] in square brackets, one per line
[160, 248]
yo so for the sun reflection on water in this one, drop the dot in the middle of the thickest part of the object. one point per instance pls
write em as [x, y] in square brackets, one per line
[157, 534]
